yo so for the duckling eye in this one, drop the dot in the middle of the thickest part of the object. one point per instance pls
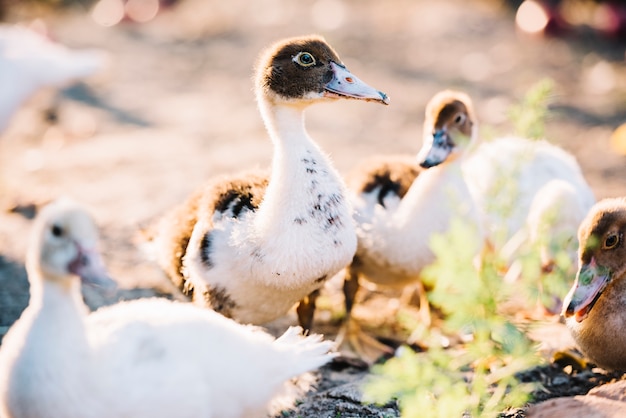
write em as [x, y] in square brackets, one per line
[611, 241]
[56, 230]
[459, 119]
[304, 59]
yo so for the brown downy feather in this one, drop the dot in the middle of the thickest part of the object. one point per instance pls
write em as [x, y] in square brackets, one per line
[238, 192]
[393, 174]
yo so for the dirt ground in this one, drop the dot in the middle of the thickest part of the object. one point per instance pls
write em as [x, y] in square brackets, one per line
[176, 106]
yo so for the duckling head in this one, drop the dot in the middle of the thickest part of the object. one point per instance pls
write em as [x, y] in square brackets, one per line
[64, 245]
[601, 256]
[306, 69]
[450, 126]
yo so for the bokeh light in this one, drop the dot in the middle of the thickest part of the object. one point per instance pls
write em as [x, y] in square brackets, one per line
[605, 19]
[142, 10]
[600, 78]
[618, 139]
[531, 17]
[108, 12]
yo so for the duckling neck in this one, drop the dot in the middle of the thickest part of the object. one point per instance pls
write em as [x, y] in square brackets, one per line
[57, 308]
[285, 125]
[439, 193]
[47, 356]
[302, 176]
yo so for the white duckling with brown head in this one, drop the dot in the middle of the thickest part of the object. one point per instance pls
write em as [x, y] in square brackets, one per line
[534, 180]
[252, 246]
[595, 307]
[395, 222]
[142, 358]
[399, 205]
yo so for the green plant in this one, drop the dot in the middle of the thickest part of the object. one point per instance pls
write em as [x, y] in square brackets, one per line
[477, 377]
[530, 115]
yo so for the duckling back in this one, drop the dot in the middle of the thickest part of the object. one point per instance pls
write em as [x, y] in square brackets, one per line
[506, 176]
[168, 359]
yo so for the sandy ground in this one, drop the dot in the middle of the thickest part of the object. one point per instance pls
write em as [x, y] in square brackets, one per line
[176, 106]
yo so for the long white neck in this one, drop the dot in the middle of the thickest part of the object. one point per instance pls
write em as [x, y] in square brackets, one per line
[437, 195]
[300, 170]
[56, 317]
[47, 356]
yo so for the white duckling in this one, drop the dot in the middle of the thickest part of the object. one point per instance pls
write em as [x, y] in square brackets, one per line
[595, 307]
[529, 188]
[30, 61]
[535, 182]
[519, 184]
[251, 246]
[397, 211]
[142, 358]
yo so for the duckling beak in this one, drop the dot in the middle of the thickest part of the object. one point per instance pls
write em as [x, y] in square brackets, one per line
[344, 84]
[435, 151]
[591, 280]
[89, 267]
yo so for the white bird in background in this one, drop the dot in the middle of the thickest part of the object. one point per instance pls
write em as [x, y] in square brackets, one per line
[253, 245]
[142, 358]
[30, 61]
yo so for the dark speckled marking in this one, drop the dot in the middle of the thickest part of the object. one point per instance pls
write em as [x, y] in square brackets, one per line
[384, 176]
[219, 300]
[236, 200]
[205, 250]
[386, 186]
[310, 165]
[325, 210]
[299, 221]
[258, 254]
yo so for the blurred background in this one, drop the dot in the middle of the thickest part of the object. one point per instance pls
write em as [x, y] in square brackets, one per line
[173, 103]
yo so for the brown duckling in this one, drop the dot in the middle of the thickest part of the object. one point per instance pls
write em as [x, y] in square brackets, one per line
[595, 307]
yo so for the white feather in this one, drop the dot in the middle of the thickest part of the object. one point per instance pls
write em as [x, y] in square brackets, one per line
[144, 358]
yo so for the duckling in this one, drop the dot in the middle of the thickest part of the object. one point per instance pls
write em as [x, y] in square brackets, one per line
[529, 188]
[251, 246]
[30, 61]
[396, 214]
[534, 181]
[594, 308]
[518, 184]
[141, 358]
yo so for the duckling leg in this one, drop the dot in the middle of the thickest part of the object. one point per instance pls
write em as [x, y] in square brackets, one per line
[417, 292]
[351, 336]
[306, 310]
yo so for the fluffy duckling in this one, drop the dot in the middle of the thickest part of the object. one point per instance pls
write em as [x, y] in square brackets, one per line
[529, 190]
[251, 246]
[519, 184]
[142, 358]
[535, 181]
[30, 61]
[397, 211]
[595, 307]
